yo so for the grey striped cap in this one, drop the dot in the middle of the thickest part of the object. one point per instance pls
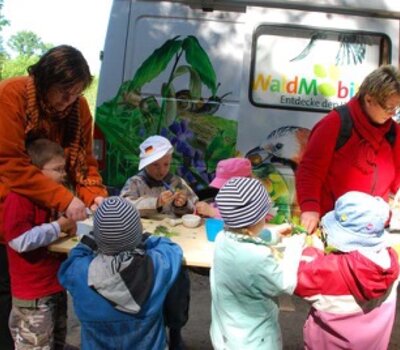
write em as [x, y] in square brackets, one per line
[242, 202]
[117, 226]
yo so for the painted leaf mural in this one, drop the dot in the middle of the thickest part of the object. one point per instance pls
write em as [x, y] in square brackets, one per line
[187, 119]
[155, 63]
[198, 59]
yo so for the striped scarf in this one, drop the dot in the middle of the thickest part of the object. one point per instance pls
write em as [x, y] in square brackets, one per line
[61, 127]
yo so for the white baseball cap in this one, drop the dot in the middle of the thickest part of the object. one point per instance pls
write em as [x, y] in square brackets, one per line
[153, 149]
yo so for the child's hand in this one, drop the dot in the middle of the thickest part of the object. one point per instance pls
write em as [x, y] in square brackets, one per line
[96, 203]
[284, 229]
[165, 198]
[67, 226]
[180, 198]
[205, 209]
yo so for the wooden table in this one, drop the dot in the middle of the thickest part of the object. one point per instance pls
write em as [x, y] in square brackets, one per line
[197, 250]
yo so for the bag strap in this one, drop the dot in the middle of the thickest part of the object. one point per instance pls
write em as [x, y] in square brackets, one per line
[346, 126]
[391, 134]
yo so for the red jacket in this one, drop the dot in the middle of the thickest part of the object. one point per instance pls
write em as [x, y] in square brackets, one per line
[34, 273]
[324, 174]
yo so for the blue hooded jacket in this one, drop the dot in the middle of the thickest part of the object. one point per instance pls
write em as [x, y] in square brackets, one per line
[103, 326]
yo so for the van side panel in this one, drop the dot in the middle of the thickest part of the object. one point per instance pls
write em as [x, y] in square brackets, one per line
[247, 78]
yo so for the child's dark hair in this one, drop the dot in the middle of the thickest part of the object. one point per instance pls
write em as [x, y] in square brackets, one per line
[42, 151]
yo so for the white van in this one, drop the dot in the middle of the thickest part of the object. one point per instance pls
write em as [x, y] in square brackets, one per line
[234, 77]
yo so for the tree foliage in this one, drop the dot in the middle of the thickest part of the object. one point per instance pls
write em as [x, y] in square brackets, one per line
[27, 43]
[3, 22]
[27, 48]
[17, 66]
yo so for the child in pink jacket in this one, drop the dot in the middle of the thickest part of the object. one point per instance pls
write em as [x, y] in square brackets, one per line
[353, 287]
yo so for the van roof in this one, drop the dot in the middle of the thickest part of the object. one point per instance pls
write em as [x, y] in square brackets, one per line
[379, 8]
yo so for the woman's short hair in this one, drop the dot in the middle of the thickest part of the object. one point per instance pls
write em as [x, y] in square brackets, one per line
[63, 66]
[381, 83]
[41, 151]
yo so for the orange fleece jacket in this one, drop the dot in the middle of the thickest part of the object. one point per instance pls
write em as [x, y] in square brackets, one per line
[16, 171]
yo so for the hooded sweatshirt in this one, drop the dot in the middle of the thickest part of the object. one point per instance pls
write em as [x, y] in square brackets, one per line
[353, 299]
[121, 309]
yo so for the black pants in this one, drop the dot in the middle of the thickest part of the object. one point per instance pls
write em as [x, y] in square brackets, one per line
[6, 341]
[176, 305]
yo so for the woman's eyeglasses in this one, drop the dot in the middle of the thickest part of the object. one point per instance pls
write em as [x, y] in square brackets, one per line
[389, 110]
[72, 93]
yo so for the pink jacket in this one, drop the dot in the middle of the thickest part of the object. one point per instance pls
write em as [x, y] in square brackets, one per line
[353, 300]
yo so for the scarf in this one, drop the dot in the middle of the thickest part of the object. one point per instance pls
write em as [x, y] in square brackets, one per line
[61, 127]
[371, 137]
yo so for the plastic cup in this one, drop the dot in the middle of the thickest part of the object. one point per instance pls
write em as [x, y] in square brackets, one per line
[213, 226]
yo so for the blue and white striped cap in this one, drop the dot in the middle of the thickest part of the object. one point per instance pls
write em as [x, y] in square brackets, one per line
[242, 202]
[116, 226]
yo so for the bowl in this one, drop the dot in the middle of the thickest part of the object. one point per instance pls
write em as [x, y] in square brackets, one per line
[191, 220]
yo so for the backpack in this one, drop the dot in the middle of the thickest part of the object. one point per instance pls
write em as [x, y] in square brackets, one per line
[346, 126]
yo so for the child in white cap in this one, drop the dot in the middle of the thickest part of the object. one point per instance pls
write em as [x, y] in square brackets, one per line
[119, 280]
[154, 189]
[352, 287]
[245, 276]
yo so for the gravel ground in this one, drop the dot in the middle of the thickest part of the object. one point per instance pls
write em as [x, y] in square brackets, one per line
[196, 334]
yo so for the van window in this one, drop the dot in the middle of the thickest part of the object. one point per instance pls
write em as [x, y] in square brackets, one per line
[301, 68]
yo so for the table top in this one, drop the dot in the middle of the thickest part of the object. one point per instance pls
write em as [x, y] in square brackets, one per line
[197, 250]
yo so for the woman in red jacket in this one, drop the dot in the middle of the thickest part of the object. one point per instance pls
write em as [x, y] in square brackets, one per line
[368, 161]
[47, 103]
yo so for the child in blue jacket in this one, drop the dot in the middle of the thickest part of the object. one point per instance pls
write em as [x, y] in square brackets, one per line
[119, 280]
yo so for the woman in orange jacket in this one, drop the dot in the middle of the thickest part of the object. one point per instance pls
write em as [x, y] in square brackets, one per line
[46, 103]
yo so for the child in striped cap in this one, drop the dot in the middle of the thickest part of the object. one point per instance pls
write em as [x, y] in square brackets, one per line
[246, 276]
[119, 280]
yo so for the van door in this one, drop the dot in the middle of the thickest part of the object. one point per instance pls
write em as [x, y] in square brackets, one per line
[182, 72]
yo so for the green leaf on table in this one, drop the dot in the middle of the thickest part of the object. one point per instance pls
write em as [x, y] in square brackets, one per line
[163, 231]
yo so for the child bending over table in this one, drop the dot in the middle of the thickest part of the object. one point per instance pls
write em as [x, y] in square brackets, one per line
[155, 190]
[246, 275]
[352, 287]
